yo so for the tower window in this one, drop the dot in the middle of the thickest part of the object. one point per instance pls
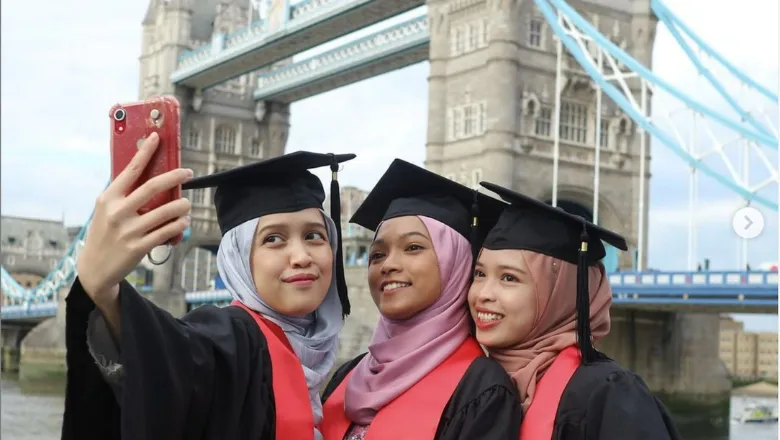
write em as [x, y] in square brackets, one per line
[225, 140]
[604, 141]
[574, 120]
[193, 138]
[467, 121]
[535, 32]
[543, 123]
[468, 37]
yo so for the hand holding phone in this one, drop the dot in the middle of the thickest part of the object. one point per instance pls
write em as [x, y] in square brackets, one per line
[118, 237]
[131, 125]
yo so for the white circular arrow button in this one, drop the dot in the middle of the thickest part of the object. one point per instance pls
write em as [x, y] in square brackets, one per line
[748, 222]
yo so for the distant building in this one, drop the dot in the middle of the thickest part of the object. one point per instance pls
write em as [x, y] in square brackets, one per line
[31, 248]
[747, 355]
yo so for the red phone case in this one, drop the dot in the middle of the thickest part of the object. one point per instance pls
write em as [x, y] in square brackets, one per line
[133, 122]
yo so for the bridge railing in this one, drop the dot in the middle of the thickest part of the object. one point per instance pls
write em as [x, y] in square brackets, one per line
[409, 33]
[701, 285]
[297, 16]
[687, 278]
[757, 290]
[718, 288]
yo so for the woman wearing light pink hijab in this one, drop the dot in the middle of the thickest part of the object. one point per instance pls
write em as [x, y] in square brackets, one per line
[425, 376]
[540, 300]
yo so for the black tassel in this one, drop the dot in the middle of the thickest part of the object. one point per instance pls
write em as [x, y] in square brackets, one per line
[474, 232]
[584, 339]
[475, 248]
[335, 214]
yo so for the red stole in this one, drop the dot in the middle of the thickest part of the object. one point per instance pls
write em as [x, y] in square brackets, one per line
[413, 415]
[539, 420]
[294, 418]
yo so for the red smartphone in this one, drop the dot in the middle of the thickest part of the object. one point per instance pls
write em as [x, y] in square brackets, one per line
[131, 124]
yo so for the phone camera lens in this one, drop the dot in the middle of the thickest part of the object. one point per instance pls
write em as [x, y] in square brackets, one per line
[119, 115]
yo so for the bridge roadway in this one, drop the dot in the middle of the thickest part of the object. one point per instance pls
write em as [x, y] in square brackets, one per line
[305, 25]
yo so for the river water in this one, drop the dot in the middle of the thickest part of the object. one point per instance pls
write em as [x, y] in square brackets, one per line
[37, 417]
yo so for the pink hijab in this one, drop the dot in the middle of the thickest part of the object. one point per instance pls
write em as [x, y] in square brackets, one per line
[554, 329]
[403, 352]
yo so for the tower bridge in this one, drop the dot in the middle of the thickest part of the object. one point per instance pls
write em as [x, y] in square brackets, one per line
[550, 100]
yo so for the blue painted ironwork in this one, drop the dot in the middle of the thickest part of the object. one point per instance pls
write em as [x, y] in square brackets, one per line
[671, 21]
[387, 42]
[298, 21]
[669, 17]
[635, 66]
[587, 63]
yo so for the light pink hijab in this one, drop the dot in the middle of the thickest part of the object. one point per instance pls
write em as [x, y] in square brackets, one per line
[403, 352]
[555, 284]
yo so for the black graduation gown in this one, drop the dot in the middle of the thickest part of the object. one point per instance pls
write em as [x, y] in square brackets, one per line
[204, 376]
[604, 401]
[483, 406]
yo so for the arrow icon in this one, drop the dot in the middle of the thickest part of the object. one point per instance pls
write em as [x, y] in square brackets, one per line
[748, 222]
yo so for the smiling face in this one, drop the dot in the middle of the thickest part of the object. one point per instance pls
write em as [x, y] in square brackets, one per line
[292, 262]
[502, 298]
[403, 271]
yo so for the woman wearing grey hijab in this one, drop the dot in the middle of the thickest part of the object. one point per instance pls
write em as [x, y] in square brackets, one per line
[252, 370]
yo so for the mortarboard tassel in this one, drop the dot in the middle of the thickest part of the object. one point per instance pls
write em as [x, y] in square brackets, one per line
[584, 338]
[335, 214]
[474, 232]
[475, 248]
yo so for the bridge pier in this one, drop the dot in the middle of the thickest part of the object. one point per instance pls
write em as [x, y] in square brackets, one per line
[677, 356]
[42, 367]
[12, 339]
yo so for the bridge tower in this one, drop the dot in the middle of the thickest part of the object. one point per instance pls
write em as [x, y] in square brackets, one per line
[222, 127]
[492, 94]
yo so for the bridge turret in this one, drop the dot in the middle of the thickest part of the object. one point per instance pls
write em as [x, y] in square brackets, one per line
[166, 34]
[231, 15]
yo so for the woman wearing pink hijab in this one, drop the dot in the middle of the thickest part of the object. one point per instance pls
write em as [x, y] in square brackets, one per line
[540, 299]
[425, 376]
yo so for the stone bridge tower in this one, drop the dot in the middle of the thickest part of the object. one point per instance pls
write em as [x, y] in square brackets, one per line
[222, 127]
[491, 106]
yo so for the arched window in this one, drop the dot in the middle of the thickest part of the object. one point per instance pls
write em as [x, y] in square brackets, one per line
[225, 140]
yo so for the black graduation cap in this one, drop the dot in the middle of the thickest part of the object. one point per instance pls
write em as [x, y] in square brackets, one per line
[407, 189]
[529, 224]
[276, 185]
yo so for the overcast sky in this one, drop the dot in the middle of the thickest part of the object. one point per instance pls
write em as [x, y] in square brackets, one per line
[65, 63]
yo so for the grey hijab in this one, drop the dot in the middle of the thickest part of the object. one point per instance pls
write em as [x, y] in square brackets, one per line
[314, 338]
